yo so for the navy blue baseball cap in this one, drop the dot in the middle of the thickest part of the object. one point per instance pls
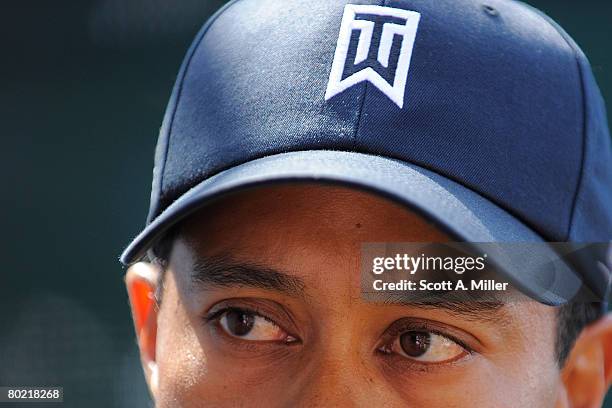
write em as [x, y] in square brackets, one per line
[483, 116]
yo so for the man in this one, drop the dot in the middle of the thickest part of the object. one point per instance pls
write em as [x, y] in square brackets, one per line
[298, 133]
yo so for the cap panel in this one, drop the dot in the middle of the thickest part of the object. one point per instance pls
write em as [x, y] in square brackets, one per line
[255, 87]
[592, 217]
[493, 102]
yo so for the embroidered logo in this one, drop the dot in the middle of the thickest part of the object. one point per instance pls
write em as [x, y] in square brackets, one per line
[375, 44]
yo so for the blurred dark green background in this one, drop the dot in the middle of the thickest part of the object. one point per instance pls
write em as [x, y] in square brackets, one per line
[83, 89]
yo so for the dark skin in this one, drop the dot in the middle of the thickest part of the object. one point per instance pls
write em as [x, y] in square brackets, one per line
[261, 307]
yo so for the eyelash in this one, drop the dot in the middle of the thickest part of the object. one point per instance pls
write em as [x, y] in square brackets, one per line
[215, 316]
[424, 327]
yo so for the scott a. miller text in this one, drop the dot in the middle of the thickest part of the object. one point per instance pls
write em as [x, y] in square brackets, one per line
[447, 285]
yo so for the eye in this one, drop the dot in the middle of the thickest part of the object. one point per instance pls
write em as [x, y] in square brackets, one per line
[250, 326]
[426, 347]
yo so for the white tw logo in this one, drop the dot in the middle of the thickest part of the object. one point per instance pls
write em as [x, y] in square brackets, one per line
[375, 44]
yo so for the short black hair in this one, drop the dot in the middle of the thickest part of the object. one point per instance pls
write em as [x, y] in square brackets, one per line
[572, 317]
[159, 255]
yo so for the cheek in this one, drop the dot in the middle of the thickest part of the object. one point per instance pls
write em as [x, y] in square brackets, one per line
[526, 373]
[483, 384]
[536, 367]
[182, 363]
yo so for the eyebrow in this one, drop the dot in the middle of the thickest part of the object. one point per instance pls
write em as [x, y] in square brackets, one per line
[224, 272]
[486, 308]
[483, 311]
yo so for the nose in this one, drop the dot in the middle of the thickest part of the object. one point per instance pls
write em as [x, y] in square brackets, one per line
[342, 379]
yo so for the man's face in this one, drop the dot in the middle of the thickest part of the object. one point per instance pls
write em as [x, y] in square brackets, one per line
[261, 306]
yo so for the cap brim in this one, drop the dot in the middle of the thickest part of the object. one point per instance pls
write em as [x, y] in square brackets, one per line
[457, 210]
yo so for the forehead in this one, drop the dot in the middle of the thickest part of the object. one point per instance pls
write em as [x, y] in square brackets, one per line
[302, 212]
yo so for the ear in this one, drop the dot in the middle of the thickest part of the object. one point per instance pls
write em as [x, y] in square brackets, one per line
[588, 371]
[141, 281]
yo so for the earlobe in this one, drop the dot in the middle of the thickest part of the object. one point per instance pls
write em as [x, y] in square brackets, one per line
[588, 371]
[141, 282]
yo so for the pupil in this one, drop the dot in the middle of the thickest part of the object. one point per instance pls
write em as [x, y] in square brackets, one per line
[415, 344]
[239, 323]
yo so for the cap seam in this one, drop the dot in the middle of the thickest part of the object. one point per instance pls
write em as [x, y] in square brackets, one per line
[584, 130]
[358, 125]
[362, 105]
[576, 54]
[583, 147]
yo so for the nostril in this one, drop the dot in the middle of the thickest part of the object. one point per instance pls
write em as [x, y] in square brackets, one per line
[490, 10]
